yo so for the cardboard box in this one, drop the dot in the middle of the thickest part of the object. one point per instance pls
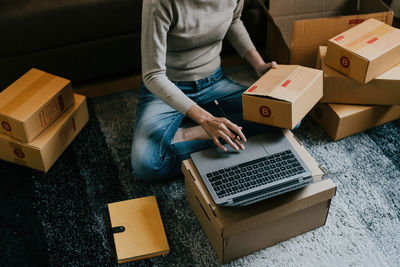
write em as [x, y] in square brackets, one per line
[297, 27]
[235, 232]
[32, 103]
[45, 149]
[338, 88]
[365, 51]
[282, 96]
[340, 121]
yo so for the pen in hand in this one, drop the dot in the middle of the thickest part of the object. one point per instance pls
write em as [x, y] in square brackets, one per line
[223, 114]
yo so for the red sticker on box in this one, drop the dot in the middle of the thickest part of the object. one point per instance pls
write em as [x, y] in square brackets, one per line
[265, 111]
[286, 83]
[355, 21]
[253, 88]
[372, 40]
[339, 38]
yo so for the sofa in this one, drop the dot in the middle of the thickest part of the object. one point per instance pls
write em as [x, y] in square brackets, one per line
[84, 40]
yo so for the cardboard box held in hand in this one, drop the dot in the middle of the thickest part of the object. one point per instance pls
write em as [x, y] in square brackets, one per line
[282, 96]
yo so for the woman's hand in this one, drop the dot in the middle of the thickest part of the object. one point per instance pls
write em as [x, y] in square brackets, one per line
[258, 63]
[263, 67]
[218, 127]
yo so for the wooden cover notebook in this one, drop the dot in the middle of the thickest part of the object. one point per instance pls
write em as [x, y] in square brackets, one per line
[137, 229]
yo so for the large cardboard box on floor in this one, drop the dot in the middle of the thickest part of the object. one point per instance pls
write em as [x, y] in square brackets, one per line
[340, 121]
[32, 103]
[365, 51]
[297, 27]
[45, 149]
[338, 88]
[235, 232]
[282, 96]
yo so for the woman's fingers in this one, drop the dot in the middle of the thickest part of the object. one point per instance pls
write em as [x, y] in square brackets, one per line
[229, 141]
[226, 130]
[232, 134]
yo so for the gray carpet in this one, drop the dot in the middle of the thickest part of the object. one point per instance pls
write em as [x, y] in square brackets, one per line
[362, 229]
[60, 218]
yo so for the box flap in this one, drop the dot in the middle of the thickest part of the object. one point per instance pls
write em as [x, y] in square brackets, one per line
[369, 39]
[295, 7]
[286, 83]
[29, 93]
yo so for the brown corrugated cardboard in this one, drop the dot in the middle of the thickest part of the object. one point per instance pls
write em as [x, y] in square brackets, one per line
[44, 150]
[340, 120]
[338, 88]
[365, 51]
[297, 27]
[239, 231]
[282, 96]
[138, 230]
[32, 103]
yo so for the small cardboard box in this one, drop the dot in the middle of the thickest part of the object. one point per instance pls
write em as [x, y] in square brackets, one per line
[340, 121]
[45, 149]
[365, 51]
[32, 103]
[282, 96]
[338, 88]
[235, 232]
[297, 27]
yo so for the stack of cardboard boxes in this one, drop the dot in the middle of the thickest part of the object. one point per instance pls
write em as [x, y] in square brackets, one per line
[361, 79]
[40, 116]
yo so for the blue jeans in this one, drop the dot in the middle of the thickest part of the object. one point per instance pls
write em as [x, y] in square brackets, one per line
[154, 156]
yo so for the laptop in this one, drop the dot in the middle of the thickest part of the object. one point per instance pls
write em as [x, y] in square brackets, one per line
[269, 166]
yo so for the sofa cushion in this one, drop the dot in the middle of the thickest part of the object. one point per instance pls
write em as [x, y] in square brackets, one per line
[28, 26]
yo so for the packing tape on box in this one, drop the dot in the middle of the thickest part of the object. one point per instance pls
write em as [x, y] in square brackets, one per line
[18, 153]
[368, 38]
[26, 94]
[51, 110]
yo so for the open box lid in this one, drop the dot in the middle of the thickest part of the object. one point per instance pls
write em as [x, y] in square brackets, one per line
[231, 220]
[287, 82]
[301, 19]
[369, 39]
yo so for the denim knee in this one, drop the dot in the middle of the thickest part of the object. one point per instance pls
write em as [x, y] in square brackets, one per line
[150, 166]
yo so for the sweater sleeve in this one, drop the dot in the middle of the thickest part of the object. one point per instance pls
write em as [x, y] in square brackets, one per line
[156, 20]
[237, 33]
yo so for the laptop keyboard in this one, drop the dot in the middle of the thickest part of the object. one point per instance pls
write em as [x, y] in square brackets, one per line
[238, 178]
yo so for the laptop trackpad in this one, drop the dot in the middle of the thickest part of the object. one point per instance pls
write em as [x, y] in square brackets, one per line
[214, 158]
